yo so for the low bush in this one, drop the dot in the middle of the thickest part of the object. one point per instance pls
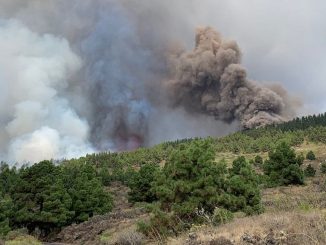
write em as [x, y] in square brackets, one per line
[309, 171]
[221, 216]
[258, 160]
[130, 238]
[311, 156]
[323, 167]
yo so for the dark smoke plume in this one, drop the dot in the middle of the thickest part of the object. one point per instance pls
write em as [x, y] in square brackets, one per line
[211, 80]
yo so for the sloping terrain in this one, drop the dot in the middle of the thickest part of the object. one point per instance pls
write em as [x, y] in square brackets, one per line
[293, 215]
[105, 229]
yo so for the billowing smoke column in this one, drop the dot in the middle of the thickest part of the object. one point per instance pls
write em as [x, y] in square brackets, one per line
[36, 121]
[115, 64]
[83, 76]
[211, 80]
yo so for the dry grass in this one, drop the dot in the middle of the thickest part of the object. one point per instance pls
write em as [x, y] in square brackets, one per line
[294, 214]
[318, 149]
[23, 240]
[292, 227]
[130, 238]
[300, 198]
[229, 157]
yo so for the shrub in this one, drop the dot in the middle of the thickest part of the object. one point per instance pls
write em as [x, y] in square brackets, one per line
[323, 167]
[243, 193]
[310, 171]
[161, 224]
[258, 160]
[141, 184]
[300, 158]
[130, 238]
[311, 156]
[221, 216]
[220, 241]
[283, 166]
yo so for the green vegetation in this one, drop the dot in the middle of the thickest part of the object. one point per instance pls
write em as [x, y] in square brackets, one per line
[311, 156]
[323, 167]
[48, 197]
[221, 216]
[141, 184]
[303, 123]
[191, 185]
[186, 182]
[283, 166]
[258, 160]
[309, 171]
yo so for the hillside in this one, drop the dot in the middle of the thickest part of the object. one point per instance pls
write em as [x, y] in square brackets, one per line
[191, 191]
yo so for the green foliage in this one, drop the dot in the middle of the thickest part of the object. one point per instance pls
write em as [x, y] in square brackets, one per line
[243, 193]
[141, 183]
[323, 167]
[311, 156]
[258, 160]
[86, 191]
[283, 166]
[191, 182]
[162, 224]
[40, 199]
[309, 171]
[300, 158]
[303, 123]
[48, 197]
[119, 166]
[6, 212]
[221, 216]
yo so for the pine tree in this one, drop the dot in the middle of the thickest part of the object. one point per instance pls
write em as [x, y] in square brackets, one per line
[86, 191]
[6, 212]
[243, 185]
[190, 180]
[283, 166]
[39, 198]
[141, 184]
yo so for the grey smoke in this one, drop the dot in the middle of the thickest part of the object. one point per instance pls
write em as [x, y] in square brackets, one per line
[211, 80]
[109, 67]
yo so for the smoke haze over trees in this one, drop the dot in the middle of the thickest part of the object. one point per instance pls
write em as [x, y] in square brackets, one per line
[78, 77]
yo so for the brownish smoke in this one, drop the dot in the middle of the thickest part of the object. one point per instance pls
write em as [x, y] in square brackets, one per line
[211, 80]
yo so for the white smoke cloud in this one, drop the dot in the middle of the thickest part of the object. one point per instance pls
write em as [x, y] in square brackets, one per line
[36, 122]
[36, 146]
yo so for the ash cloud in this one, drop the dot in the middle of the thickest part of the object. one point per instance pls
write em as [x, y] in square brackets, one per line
[83, 76]
[211, 80]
